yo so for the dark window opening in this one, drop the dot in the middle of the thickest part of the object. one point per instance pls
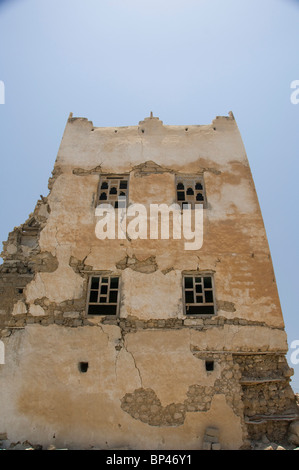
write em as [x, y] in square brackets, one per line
[209, 366]
[180, 186]
[181, 196]
[104, 185]
[93, 296]
[198, 186]
[123, 185]
[189, 297]
[94, 283]
[20, 290]
[199, 197]
[103, 197]
[209, 296]
[114, 283]
[83, 366]
[190, 192]
[199, 310]
[113, 296]
[189, 282]
[207, 282]
[104, 289]
[102, 309]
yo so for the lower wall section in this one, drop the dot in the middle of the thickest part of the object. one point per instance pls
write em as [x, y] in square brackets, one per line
[98, 386]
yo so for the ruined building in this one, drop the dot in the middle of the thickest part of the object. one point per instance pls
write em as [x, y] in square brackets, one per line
[136, 341]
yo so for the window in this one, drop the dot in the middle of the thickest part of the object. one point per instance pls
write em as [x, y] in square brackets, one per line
[190, 190]
[112, 190]
[103, 295]
[198, 294]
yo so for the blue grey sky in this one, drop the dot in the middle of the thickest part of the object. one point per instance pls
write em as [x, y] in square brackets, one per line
[114, 61]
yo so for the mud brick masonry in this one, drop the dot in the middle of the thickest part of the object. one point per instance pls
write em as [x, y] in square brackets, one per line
[140, 343]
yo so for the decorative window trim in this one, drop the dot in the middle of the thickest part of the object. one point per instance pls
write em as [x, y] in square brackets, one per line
[118, 183]
[198, 289]
[196, 187]
[97, 294]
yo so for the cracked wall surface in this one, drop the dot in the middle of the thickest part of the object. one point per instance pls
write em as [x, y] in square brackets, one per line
[147, 385]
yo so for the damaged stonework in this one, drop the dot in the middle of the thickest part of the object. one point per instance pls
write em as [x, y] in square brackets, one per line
[143, 404]
[79, 266]
[23, 258]
[57, 171]
[149, 265]
[82, 172]
[148, 168]
[225, 306]
[269, 402]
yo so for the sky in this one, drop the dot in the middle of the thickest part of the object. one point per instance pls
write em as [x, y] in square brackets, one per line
[115, 61]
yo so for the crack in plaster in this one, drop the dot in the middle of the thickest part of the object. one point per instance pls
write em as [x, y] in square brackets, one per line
[134, 361]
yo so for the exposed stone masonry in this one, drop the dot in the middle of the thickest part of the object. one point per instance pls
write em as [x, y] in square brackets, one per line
[23, 259]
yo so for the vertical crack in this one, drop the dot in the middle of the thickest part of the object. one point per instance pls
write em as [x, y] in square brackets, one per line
[133, 358]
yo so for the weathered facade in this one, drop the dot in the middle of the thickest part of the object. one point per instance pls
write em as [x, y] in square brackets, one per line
[138, 342]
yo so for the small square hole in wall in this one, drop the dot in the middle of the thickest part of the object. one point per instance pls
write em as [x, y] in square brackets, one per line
[83, 366]
[209, 366]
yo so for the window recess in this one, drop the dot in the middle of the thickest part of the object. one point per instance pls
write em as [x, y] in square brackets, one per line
[113, 190]
[198, 291]
[190, 191]
[103, 295]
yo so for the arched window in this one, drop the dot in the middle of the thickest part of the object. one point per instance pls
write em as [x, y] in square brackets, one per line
[190, 190]
[116, 189]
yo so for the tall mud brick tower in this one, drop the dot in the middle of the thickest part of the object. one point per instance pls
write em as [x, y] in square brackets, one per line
[137, 342]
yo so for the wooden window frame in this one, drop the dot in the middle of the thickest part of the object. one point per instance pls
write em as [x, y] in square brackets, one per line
[101, 276]
[190, 181]
[186, 305]
[112, 181]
